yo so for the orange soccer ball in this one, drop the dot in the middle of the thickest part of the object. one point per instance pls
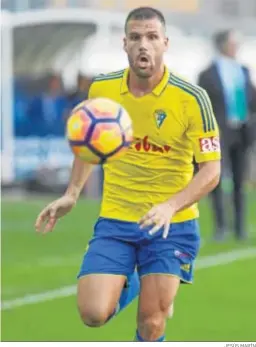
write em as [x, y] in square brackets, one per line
[99, 130]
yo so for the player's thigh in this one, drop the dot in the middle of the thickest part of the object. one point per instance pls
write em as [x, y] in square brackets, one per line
[107, 255]
[157, 294]
[97, 296]
[105, 266]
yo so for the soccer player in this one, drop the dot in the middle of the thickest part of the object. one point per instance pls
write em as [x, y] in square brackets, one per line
[148, 217]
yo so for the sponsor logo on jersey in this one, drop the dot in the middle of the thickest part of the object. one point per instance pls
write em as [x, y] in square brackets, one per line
[145, 146]
[160, 116]
[209, 144]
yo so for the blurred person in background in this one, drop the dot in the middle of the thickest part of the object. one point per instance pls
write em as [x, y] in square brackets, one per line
[47, 109]
[79, 94]
[20, 109]
[233, 98]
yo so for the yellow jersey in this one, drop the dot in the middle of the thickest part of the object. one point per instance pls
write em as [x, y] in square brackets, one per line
[172, 124]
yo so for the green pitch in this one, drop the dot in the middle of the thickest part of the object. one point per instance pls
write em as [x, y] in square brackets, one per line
[219, 306]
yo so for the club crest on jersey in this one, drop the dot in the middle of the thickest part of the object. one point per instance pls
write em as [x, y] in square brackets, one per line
[160, 116]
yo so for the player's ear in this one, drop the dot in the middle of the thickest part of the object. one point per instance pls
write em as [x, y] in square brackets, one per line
[125, 44]
[166, 43]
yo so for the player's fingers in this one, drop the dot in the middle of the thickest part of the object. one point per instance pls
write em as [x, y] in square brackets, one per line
[156, 228]
[147, 223]
[166, 230]
[148, 215]
[50, 225]
[151, 219]
[41, 219]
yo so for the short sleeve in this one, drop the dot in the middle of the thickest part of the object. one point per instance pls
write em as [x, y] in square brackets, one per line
[92, 91]
[203, 129]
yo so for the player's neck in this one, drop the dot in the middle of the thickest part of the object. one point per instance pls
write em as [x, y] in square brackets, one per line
[142, 86]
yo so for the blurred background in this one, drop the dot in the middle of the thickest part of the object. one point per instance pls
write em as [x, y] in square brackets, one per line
[50, 52]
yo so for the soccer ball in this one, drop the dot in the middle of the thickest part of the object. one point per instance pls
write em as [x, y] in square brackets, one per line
[99, 130]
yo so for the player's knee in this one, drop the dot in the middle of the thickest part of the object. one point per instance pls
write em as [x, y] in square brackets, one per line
[151, 327]
[94, 317]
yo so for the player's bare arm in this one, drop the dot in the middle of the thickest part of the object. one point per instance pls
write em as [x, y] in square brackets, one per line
[203, 183]
[60, 207]
[79, 175]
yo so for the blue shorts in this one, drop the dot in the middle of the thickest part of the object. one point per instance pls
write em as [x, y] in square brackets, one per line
[118, 247]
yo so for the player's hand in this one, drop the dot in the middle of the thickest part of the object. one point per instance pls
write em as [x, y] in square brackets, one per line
[52, 212]
[159, 216]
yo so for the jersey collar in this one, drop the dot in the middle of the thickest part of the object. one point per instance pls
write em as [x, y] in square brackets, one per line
[156, 91]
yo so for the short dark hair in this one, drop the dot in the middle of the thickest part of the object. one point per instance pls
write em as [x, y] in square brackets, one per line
[221, 38]
[143, 13]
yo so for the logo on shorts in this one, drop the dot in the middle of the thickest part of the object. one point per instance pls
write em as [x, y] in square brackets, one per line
[180, 254]
[185, 267]
[209, 144]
